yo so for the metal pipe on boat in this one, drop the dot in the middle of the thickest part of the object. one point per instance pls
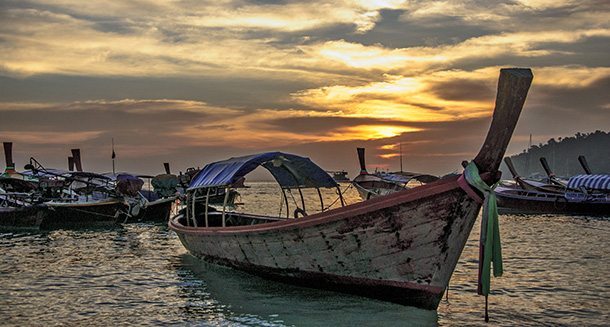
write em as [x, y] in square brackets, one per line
[321, 200]
[341, 196]
[224, 206]
[207, 202]
[286, 200]
[193, 201]
[302, 199]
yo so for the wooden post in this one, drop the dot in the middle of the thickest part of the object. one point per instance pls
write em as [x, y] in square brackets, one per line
[8, 155]
[224, 206]
[77, 159]
[207, 202]
[512, 91]
[584, 164]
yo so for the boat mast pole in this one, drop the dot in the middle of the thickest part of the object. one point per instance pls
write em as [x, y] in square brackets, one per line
[113, 156]
[400, 149]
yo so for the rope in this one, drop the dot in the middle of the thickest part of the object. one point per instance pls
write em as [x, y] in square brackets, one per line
[90, 212]
[338, 197]
[490, 249]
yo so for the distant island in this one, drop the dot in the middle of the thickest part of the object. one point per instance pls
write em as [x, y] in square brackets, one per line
[562, 155]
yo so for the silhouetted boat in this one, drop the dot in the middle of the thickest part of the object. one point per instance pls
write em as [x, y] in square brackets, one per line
[340, 176]
[402, 247]
[580, 195]
[382, 183]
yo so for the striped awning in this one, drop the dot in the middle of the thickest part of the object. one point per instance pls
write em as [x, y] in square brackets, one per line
[591, 182]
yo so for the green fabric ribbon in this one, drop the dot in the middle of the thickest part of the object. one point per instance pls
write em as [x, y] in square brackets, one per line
[491, 249]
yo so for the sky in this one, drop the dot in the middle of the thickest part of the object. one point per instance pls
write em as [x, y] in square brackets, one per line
[190, 82]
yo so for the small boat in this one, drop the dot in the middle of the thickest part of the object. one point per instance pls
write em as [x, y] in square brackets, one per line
[75, 199]
[580, 195]
[18, 207]
[340, 176]
[528, 184]
[384, 183]
[401, 247]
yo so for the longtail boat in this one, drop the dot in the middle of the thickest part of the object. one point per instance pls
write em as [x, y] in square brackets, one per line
[581, 195]
[74, 199]
[381, 183]
[402, 247]
[18, 203]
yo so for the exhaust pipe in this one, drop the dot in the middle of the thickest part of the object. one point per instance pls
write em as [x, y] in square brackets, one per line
[361, 160]
[77, 160]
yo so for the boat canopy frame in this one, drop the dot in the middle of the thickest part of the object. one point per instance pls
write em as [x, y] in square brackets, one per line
[289, 171]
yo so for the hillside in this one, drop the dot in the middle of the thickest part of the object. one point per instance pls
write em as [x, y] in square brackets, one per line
[562, 155]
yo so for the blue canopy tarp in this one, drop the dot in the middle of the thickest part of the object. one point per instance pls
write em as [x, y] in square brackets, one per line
[289, 170]
[592, 182]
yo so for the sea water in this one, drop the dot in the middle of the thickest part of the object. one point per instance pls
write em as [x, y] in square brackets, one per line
[556, 273]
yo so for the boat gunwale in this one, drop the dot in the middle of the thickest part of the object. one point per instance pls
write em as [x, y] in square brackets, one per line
[408, 195]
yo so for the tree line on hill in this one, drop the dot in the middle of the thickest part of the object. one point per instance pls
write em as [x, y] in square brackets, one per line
[562, 156]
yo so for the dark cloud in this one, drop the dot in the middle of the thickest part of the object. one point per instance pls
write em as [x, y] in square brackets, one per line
[464, 90]
[221, 91]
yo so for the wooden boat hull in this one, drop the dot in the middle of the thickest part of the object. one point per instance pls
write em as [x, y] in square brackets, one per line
[82, 215]
[157, 211]
[371, 186]
[22, 218]
[401, 248]
[524, 202]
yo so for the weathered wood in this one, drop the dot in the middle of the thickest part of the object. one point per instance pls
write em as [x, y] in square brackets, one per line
[361, 160]
[528, 202]
[584, 164]
[8, 154]
[546, 167]
[511, 167]
[77, 160]
[513, 86]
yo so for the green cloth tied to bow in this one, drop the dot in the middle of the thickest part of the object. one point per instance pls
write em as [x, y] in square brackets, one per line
[490, 248]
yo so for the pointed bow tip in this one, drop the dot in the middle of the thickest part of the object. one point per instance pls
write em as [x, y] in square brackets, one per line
[522, 72]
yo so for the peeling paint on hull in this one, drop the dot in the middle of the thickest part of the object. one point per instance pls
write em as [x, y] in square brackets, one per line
[401, 248]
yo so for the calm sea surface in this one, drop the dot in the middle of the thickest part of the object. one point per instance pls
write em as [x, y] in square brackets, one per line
[556, 273]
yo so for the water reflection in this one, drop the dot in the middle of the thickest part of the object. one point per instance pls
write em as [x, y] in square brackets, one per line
[247, 297]
[555, 274]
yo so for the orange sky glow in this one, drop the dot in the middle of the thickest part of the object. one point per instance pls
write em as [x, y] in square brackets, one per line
[191, 82]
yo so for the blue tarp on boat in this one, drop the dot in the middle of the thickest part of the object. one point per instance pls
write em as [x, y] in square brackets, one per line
[592, 182]
[289, 170]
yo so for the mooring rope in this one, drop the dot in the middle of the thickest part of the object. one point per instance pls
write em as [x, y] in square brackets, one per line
[490, 248]
[338, 197]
